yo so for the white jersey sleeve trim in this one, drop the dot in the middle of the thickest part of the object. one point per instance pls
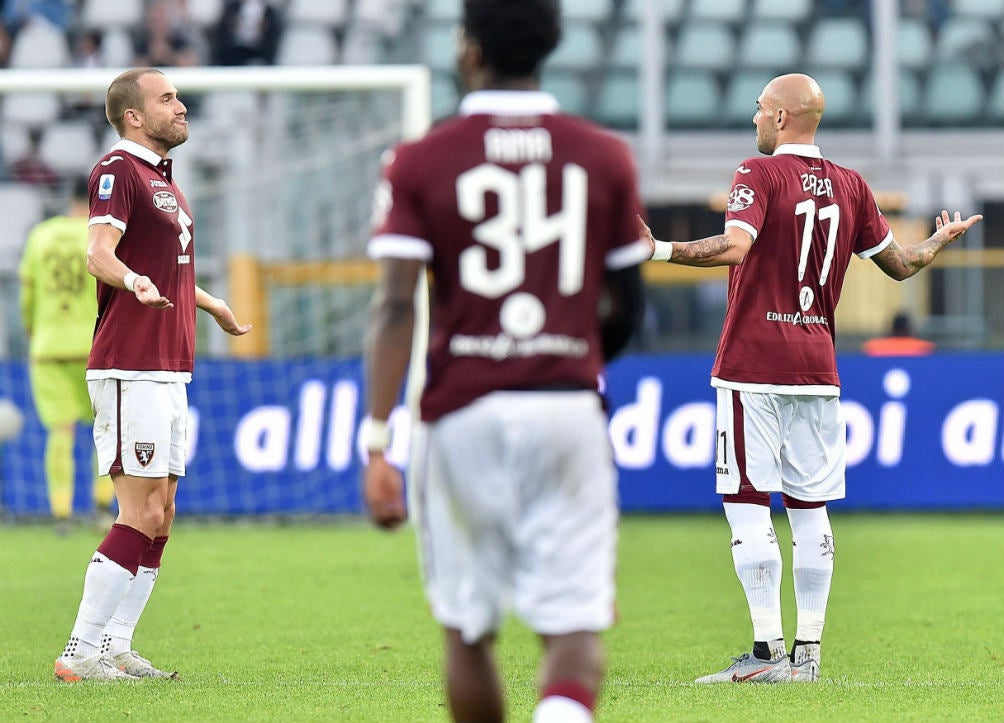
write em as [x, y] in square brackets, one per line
[815, 390]
[110, 220]
[398, 246]
[129, 375]
[876, 249]
[743, 225]
[631, 255]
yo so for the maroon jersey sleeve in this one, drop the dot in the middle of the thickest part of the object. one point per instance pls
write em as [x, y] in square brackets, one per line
[874, 233]
[398, 210]
[748, 197]
[112, 189]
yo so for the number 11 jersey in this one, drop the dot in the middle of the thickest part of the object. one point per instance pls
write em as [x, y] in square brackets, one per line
[807, 217]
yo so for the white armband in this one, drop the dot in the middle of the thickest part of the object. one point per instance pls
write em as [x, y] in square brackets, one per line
[374, 434]
[129, 280]
[663, 251]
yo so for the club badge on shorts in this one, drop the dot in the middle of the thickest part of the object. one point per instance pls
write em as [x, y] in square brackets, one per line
[144, 452]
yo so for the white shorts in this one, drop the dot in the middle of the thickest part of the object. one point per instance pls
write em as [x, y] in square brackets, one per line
[518, 509]
[781, 443]
[140, 427]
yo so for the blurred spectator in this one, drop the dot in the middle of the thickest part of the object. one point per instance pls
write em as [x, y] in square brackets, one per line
[86, 52]
[31, 168]
[248, 33]
[17, 12]
[161, 44]
[899, 342]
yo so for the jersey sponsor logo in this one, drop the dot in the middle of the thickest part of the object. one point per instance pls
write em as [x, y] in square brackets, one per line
[165, 201]
[156, 183]
[797, 319]
[805, 298]
[112, 160]
[184, 258]
[105, 185]
[741, 198]
[144, 452]
[503, 346]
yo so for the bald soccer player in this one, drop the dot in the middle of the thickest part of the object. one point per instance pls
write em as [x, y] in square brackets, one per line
[792, 222]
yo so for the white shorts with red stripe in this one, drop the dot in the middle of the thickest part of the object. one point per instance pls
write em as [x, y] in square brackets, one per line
[140, 427]
[781, 443]
[517, 498]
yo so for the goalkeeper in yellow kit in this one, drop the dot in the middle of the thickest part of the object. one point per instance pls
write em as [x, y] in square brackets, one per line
[59, 307]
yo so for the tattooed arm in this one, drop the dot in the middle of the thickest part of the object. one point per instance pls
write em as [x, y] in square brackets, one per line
[902, 263]
[725, 249]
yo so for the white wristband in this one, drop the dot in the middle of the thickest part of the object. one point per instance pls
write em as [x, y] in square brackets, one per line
[129, 280]
[374, 434]
[663, 251]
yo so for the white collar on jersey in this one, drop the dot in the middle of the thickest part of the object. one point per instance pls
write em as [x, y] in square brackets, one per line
[138, 150]
[508, 102]
[798, 149]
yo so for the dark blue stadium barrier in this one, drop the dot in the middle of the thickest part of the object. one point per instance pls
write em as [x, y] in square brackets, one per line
[279, 436]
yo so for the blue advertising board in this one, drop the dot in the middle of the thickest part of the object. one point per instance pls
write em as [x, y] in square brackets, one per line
[279, 436]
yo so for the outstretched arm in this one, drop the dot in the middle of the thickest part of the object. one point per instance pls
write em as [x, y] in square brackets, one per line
[902, 263]
[221, 312]
[725, 249]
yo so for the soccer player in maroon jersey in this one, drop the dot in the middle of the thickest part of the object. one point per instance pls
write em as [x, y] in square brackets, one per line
[792, 223]
[141, 250]
[526, 219]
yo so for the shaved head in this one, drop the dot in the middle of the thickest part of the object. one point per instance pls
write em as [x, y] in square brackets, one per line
[789, 110]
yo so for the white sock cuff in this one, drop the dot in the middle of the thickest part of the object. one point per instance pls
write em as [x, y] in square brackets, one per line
[558, 709]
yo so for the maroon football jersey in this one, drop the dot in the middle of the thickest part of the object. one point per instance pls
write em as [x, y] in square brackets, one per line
[132, 189]
[518, 210]
[807, 216]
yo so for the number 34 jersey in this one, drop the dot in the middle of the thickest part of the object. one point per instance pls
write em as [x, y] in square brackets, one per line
[519, 211]
[807, 217]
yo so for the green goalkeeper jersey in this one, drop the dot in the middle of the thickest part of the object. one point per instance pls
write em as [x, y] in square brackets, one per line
[58, 297]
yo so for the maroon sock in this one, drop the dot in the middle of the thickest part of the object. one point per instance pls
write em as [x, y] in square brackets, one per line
[151, 558]
[572, 690]
[125, 546]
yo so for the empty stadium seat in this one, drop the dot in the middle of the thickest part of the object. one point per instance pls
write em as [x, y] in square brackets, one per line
[101, 14]
[69, 147]
[329, 13]
[729, 11]
[204, 13]
[21, 207]
[741, 95]
[958, 35]
[618, 103]
[908, 94]
[568, 88]
[986, 9]
[117, 49]
[443, 10]
[39, 44]
[953, 95]
[670, 10]
[439, 46]
[704, 45]
[589, 10]
[770, 45]
[580, 47]
[30, 109]
[627, 47]
[913, 43]
[838, 43]
[307, 45]
[792, 10]
[692, 99]
[841, 96]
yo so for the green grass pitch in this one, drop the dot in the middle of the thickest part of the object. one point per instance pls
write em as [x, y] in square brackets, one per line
[311, 622]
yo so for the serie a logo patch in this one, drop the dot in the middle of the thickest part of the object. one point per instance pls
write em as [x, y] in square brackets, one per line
[144, 452]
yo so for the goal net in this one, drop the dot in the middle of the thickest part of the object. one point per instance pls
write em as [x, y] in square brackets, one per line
[279, 170]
